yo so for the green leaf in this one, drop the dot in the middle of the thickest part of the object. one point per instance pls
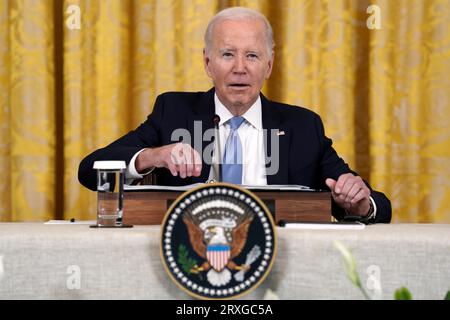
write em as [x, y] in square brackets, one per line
[447, 296]
[402, 294]
[184, 260]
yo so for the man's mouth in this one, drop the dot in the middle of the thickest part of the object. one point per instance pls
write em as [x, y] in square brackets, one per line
[239, 85]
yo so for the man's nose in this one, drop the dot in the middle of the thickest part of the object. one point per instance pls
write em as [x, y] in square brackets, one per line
[240, 65]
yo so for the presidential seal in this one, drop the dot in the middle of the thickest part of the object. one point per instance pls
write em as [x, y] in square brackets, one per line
[218, 241]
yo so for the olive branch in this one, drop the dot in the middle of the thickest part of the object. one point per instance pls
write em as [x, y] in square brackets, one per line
[184, 260]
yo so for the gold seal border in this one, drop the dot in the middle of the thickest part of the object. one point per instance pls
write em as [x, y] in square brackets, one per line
[232, 186]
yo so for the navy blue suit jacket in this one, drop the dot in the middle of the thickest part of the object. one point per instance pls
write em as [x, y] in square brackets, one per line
[306, 154]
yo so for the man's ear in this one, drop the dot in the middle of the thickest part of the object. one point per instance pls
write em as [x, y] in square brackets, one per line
[270, 64]
[206, 61]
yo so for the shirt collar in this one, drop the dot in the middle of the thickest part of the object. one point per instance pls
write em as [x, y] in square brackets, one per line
[253, 115]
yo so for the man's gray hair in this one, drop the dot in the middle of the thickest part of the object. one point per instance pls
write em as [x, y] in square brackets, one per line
[239, 13]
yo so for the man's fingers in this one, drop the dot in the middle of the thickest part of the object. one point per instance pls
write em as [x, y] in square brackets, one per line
[349, 183]
[362, 194]
[331, 183]
[189, 169]
[184, 160]
[173, 169]
[197, 163]
[176, 162]
[188, 153]
[176, 154]
[192, 160]
[182, 167]
[341, 182]
[352, 192]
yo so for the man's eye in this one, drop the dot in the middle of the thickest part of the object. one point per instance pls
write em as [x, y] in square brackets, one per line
[252, 56]
[227, 54]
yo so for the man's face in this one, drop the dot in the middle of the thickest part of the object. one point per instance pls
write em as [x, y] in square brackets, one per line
[238, 61]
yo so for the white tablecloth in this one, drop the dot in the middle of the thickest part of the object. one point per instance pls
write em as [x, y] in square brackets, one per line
[40, 261]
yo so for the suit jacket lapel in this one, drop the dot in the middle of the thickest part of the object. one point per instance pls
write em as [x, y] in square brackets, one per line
[272, 121]
[201, 120]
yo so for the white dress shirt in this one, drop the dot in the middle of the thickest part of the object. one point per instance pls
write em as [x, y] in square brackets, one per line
[251, 135]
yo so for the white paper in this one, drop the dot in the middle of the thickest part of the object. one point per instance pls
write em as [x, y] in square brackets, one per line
[162, 188]
[280, 187]
[274, 187]
[324, 226]
[90, 222]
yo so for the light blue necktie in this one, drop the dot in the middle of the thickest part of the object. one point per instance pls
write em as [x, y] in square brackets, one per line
[232, 158]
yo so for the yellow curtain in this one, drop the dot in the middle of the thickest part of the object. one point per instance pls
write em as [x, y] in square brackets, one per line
[383, 93]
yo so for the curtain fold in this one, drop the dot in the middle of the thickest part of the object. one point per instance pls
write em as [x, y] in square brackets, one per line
[28, 113]
[383, 94]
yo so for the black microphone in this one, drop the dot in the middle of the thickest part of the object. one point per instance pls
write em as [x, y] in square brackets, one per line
[216, 121]
[218, 165]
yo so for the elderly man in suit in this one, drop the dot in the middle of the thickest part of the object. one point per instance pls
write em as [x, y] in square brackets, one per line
[238, 57]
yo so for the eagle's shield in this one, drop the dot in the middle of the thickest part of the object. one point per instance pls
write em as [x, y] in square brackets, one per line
[218, 256]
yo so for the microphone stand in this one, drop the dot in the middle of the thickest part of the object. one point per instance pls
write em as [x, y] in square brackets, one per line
[218, 164]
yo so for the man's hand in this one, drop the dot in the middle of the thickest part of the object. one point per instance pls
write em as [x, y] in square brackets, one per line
[179, 158]
[351, 193]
